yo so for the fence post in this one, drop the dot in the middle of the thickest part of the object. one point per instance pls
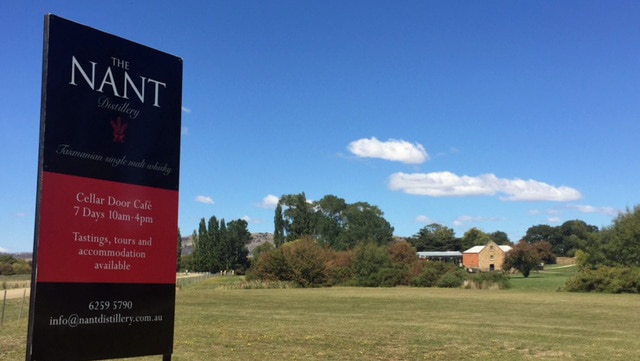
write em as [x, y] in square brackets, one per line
[24, 296]
[4, 302]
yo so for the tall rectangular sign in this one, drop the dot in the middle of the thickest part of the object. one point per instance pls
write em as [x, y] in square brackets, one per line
[107, 206]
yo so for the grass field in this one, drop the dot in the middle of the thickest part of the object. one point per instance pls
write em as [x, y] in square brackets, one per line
[531, 321]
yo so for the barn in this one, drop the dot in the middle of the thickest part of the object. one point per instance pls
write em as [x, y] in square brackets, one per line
[489, 257]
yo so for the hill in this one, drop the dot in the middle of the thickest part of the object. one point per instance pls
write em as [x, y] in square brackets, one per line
[256, 240]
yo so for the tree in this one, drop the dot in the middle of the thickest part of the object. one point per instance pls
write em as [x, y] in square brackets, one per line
[208, 247]
[620, 242]
[575, 235]
[545, 232]
[298, 216]
[330, 220]
[474, 237]
[223, 248]
[566, 239]
[544, 251]
[522, 257]
[238, 237]
[435, 237]
[501, 238]
[202, 248]
[215, 251]
[278, 223]
[365, 223]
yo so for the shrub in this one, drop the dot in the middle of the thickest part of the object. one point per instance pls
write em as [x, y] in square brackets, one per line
[368, 260]
[302, 262]
[12, 266]
[605, 279]
[489, 280]
[433, 272]
[451, 280]
[339, 267]
[270, 266]
[402, 252]
[391, 276]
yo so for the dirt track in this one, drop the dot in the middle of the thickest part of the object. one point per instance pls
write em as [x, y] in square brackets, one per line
[20, 292]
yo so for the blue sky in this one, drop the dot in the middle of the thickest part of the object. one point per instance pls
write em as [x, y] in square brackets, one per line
[498, 115]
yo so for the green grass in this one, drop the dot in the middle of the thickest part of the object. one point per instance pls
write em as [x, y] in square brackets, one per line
[551, 279]
[531, 321]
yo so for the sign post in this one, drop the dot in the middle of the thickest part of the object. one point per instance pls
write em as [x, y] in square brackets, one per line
[107, 204]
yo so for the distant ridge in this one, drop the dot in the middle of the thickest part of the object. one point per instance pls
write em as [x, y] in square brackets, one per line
[256, 240]
[19, 255]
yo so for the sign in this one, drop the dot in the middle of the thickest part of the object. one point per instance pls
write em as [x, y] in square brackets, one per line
[107, 207]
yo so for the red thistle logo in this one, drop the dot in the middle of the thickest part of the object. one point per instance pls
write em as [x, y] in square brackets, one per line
[118, 130]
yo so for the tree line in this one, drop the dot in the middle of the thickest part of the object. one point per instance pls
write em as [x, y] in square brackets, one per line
[307, 263]
[218, 246]
[608, 259]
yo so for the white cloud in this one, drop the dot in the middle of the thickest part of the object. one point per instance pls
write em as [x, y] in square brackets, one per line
[447, 184]
[462, 220]
[554, 220]
[591, 209]
[393, 150]
[269, 202]
[3, 250]
[184, 131]
[252, 220]
[185, 109]
[423, 219]
[21, 214]
[204, 199]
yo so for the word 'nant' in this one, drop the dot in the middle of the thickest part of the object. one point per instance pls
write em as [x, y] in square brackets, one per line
[126, 83]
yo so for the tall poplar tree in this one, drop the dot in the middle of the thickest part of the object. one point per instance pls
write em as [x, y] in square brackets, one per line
[204, 250]
[278, 222]
[214, 253]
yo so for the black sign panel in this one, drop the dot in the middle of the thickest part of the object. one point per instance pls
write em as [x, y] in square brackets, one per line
[114, 102]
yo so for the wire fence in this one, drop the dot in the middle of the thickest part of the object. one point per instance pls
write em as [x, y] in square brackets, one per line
[13, 309]
[15, 301]
[187, 279]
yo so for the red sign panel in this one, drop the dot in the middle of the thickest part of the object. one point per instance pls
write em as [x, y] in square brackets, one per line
[107, 232]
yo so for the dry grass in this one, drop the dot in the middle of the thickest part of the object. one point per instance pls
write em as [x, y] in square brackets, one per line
[216, 322]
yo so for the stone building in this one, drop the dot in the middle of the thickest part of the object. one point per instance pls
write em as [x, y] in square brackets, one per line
[489, 257]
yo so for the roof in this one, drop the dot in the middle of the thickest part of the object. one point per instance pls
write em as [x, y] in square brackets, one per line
[478, 249]
[505, 249]
[439, 254]
[475, 249]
